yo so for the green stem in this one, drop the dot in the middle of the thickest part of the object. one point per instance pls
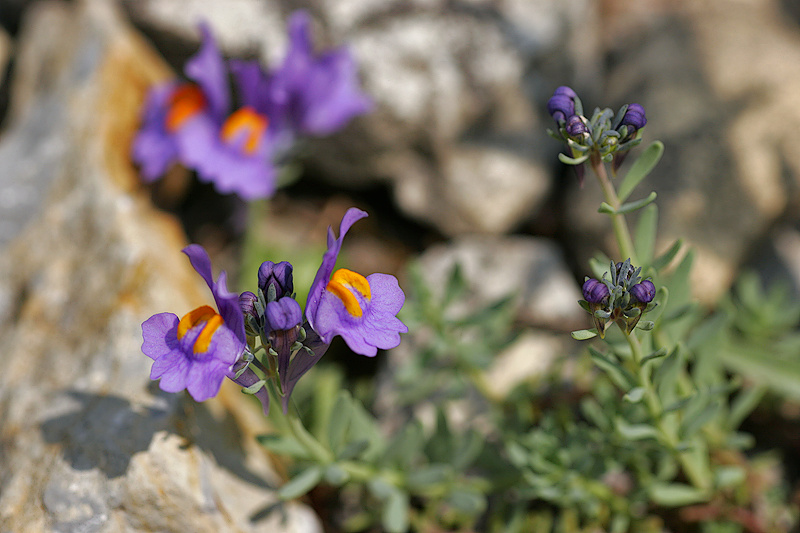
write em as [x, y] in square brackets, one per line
[624, 241]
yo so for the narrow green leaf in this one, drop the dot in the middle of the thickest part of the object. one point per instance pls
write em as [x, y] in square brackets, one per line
[335, 475]
[638, 204]
[694, 422]
[666, 375]
[666, 258]
[661, 352]
[424, 478]
[606, 209]
[471, 503]
[645, 236]
[619, 375]
[283, 445]
[468, 448]
[675, 494]
[339, 421]
[634, 395]
[567, 160]
[353, 449]
[395, 512]
[584, 334]
[301, 484]
[635, 431]
[640, 169]
[744, 403]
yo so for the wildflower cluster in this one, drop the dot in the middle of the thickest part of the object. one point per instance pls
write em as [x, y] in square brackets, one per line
[623, 299]
[268, 331]
[607, 136]
[236, 144]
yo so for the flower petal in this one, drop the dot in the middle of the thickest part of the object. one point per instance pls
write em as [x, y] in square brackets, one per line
[159, 335]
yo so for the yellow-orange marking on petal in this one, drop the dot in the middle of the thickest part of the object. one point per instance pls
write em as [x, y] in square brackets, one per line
[203, 314]
[343, 283]
[186, 101]
[248, 121]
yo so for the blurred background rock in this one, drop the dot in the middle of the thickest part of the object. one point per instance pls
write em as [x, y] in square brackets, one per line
[453, 163]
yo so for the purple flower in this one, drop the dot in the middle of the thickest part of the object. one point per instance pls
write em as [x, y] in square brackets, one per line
[315, 94]
[643, 292]
[360, 309]
[595, 291]
[199, 350]
[562, 104]
[634, 118]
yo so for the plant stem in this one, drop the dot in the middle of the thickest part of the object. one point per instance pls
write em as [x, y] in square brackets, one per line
[624, 241]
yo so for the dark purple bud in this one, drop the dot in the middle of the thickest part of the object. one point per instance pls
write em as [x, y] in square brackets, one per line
[644, 292]
[565, 91]
[562, 104]
[282, 314]
[575, 126]
[594, 291]
[247, 302]
[634, 118]
[278, 275]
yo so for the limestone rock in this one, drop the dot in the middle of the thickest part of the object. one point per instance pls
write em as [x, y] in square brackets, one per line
[87, 442]
[530, 269]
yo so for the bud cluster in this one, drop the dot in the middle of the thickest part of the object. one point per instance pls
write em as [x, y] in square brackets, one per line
[607, 134]
[622, 299]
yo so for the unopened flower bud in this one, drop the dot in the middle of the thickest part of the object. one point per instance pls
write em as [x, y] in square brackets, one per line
[644, 292]
[282, 314]
[595, 291]
[247, 301]
[575, 126]
[634, 118]
[562, 104]
[277, 275]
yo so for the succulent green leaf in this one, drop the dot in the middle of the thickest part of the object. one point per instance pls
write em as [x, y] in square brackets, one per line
[666, 258]
[395, 512]
[640, 169]
[675, 494]
[638, 204]
[618, 374]
[645, 236]
[635, 431]
[634, 395]
[301, 483]
[339, 421]
[584, 334]
[283, 445]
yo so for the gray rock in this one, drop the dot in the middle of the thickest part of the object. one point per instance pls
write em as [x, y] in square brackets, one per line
[87, 442]
[530, 269]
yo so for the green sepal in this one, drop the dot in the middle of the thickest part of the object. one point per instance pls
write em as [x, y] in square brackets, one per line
[567, 160]
[255, 387]
[640, 169]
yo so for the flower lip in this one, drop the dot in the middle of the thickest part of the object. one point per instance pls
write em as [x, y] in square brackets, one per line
[185, 102]
[244, 126]
[349, 286]
[644, 292]
[595, 291]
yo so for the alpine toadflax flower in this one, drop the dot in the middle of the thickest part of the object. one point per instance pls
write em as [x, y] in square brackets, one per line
[236, 145]
[197, 351]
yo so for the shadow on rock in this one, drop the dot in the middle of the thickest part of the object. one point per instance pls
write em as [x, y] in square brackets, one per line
[105, 431]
